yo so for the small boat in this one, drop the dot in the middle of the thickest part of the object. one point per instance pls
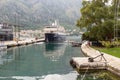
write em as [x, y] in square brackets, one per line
[39, 43]
[54, 33]
[76, 44]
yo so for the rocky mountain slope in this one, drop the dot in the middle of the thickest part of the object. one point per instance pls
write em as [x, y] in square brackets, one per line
[37, 13]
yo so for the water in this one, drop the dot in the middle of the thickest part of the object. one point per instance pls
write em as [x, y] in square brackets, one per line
[42, 62]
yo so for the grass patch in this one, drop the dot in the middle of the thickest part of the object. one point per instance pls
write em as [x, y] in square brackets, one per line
[115, 51]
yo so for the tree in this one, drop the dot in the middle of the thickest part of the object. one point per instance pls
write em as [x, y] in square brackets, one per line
[116, 9]
[98, 18]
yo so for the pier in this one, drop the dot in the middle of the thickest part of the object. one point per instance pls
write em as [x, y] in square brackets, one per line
[83, 64]
[20, 43]
[112, 63]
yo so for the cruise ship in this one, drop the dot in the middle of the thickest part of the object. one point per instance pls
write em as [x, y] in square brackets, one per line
[54, 33]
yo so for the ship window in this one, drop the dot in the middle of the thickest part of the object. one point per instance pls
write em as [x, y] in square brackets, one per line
[51, 31]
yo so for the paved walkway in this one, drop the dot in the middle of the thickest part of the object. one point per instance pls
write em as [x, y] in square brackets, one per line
[22, 42]
[113, 62]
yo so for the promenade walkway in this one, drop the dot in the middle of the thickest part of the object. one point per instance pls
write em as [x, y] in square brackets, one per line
[22, 42]
[112, 62]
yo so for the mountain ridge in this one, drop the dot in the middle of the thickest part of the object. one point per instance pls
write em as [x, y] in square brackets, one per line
[37, 13]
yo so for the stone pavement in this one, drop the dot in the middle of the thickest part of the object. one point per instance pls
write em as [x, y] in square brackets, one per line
[112, 62]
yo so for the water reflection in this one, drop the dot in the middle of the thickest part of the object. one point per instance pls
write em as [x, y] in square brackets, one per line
[5, 57]
[100, 75]
[69, 76]
[54, 50]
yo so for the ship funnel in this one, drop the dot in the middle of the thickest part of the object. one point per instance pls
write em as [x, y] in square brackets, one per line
[55, 22]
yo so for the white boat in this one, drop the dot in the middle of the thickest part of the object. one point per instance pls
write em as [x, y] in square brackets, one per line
[54, 33]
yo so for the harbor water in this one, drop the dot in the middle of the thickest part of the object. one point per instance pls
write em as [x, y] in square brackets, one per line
[44, 61]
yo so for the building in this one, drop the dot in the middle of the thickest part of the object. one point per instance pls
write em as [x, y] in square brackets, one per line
[6, 32]
[24, 34]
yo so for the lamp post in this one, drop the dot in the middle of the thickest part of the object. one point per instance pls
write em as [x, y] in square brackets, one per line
[117, 6]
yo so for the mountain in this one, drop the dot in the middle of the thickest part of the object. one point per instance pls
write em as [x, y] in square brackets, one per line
[38, 13]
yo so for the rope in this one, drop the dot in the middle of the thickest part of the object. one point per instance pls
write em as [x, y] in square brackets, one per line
[85, 73]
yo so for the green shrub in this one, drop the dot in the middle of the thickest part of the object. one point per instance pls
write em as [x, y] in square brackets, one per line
[107, 44]
[116, 43]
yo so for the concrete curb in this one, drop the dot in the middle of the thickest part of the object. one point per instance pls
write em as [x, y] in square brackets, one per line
[112, 62]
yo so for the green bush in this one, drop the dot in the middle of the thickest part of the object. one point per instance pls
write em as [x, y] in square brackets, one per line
[107, 44]
[116, 43]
